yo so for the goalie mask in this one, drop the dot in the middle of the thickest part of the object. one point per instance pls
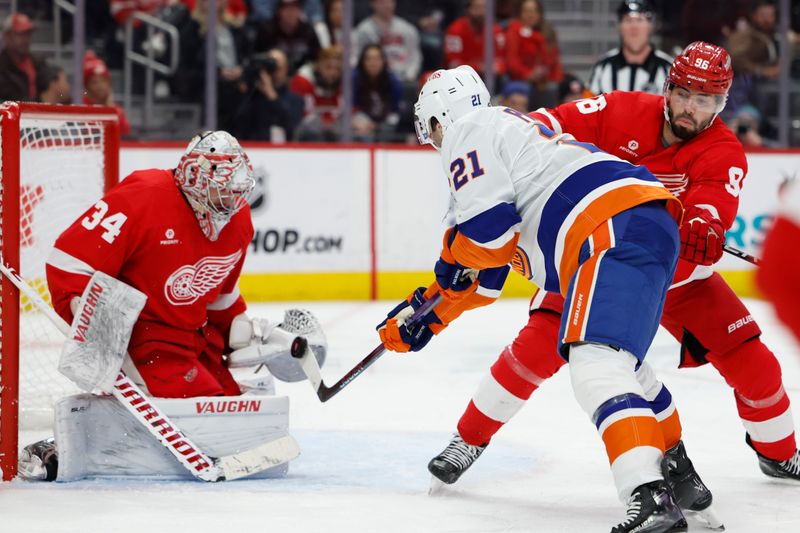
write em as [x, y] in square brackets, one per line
[216, 178]
[447, 96]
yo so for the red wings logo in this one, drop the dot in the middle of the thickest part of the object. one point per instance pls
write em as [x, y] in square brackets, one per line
[190, 282]
[675, 183]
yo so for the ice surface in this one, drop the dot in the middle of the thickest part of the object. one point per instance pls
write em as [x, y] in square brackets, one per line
[364, 453]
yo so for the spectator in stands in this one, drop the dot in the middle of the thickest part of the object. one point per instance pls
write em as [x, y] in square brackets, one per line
[377, 96]
[431, 18]
[516, 95]
[290, 33]
[505, 12]
[235, 11]
[398, 38]
[320, 85]
[532, 53]
[121, 10]
[232, 50]
[329, 30]
[746, 124]
[463, 41]
[97, 88]
[18, 68]
[572, 88]
[711, 21]
[636, 65]
[270, 111]
[265, 10]
[52, 85]
[754, 47]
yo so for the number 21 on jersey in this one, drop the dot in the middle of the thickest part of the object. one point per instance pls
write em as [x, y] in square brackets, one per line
[112, 224]
[458, 169]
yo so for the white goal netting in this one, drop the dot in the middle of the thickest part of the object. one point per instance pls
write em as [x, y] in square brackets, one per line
[61, 175]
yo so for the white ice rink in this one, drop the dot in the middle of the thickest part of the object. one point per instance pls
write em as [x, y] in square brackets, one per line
[364, 453]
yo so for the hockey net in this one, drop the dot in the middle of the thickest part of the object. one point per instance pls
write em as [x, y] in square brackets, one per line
[56, 162]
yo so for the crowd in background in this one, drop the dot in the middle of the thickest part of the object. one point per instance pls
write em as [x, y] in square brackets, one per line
[280, 61]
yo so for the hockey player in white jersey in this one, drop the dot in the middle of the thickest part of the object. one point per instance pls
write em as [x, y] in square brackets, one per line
[572, 219]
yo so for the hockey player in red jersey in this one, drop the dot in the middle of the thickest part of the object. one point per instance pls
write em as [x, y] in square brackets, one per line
[180, 236]
[680, 139]
[777, 276]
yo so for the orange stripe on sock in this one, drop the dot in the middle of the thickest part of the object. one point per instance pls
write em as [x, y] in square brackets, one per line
[632, 432]
[671, 429]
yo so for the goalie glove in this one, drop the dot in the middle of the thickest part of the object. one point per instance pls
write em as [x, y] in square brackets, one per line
[258, 341]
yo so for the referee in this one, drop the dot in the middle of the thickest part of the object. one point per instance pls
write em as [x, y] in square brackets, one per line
[636, 65]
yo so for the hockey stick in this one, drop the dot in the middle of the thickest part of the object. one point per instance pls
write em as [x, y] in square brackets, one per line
[741, 255]
[147, 413]
[308, 362]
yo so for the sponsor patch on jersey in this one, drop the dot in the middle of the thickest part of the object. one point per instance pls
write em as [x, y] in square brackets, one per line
[169, 238]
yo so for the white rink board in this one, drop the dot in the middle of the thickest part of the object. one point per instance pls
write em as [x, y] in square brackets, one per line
[412, 200]
[310, 207]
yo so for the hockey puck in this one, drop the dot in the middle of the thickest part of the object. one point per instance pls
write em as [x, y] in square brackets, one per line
[299, 345]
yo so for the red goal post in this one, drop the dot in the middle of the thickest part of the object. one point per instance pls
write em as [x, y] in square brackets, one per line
[55, 162]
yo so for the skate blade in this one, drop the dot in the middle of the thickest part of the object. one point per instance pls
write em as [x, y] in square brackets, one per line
[708, 518]
[436, 486]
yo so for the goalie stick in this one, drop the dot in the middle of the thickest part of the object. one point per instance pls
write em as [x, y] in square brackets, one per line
[147, 413]
[308, 362]
[742, 255]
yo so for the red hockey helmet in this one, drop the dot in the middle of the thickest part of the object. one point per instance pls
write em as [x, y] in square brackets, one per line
[702, 67]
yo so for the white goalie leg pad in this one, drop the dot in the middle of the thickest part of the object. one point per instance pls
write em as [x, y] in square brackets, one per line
[251, 347]
[98, 338]
[97, 437]
[600, 373]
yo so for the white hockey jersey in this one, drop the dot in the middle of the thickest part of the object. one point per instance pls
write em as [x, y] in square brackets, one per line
[525, 195]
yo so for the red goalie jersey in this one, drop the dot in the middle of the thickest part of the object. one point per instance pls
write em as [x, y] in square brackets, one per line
[706, 171]
[145, 233]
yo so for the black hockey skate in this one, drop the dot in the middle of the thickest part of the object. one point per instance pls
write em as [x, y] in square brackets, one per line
[651, 509]
[39, 461]
[691, 494]
[788, 469]
[454, 460]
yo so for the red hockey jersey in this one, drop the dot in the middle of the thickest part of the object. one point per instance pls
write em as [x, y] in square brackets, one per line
[144, 232]
[706, 171]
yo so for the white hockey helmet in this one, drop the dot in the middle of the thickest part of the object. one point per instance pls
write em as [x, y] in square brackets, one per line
[447, 96]
[216, 177]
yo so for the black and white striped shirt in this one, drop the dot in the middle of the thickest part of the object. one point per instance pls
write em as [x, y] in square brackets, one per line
[612, 72]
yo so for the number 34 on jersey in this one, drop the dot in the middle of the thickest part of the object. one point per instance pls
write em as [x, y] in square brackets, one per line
[111, 224]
